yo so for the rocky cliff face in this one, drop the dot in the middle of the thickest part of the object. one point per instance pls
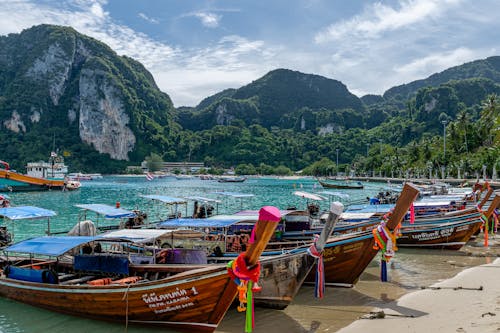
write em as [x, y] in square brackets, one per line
[55, 77]
[52, 67]
[103, 121]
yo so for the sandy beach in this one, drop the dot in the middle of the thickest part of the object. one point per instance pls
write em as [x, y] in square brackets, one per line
[422, 295]
[468, 302]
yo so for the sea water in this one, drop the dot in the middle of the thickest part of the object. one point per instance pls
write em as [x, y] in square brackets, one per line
[409, 270]
[127, 192]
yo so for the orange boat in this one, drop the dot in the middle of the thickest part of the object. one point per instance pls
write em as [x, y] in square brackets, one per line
[12, 181]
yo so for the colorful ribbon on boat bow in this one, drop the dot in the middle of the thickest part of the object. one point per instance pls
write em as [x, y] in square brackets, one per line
[485, 225]
[385, 241]
[495, 218]
[319, 290]
[247, 281]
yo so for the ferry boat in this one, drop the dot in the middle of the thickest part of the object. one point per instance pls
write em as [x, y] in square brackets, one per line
[40, 176]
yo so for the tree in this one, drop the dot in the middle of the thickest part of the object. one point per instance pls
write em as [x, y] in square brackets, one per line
[489, 119]
[154, 162]
[323, 167]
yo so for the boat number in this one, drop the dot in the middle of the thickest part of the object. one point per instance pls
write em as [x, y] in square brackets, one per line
[434, 235]
[176, 300]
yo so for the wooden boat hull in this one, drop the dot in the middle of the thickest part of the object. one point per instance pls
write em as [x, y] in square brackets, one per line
[281, 279]
[446, 236]
[14, 182]
[345, 258]
[194, 301]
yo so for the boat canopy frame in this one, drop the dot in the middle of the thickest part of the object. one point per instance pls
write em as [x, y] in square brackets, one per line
[27, 213]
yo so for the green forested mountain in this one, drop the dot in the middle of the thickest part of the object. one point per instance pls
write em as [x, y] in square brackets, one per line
[59, 86]
[281, 98]
[104, 111]
[488, 68]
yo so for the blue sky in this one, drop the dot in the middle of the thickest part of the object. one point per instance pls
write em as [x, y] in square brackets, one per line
[195, 48]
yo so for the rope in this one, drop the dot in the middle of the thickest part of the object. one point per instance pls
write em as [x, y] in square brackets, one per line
[125, 298]
[319, 289]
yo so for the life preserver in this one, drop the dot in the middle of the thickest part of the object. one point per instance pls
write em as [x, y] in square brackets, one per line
[100, 282]
[127, 280]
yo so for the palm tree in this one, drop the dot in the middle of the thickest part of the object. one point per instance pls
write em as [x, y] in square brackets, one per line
[489, 116]
[463, 123]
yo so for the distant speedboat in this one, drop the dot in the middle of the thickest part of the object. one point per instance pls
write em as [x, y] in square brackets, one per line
[232, 179]
[341, 185]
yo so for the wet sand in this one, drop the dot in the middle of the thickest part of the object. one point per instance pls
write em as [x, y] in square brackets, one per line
[411, 270]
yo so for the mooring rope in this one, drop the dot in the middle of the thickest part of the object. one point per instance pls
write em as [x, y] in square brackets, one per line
[125, 298]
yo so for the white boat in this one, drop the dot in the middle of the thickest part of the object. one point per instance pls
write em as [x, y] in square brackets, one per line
[53, 169]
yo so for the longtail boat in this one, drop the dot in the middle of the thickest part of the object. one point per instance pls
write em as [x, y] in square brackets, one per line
[283, 271]
[191, 300]
[283, 275]
[450, 232]
[346, 256]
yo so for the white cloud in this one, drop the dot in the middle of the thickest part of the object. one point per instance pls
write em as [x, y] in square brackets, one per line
[147, 18]
[436, 62]
[193, 84]
[372, 51]
[209, 20]
[379, 18]
[228, 64]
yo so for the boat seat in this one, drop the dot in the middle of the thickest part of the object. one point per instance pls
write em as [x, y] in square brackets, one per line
[79, 280]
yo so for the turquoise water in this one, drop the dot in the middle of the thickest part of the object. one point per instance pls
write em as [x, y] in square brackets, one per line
[127, 191]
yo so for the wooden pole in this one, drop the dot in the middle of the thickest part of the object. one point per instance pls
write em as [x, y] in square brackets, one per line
[407, 196]
[486, 197]
[336, 209]
[269, 217]
[495, 203]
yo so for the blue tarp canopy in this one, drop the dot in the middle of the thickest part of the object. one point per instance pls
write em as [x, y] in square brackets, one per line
[234, 194]
[165, 199]
[200, 223]
[49, 245]
[107, 211]
[26, 212]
